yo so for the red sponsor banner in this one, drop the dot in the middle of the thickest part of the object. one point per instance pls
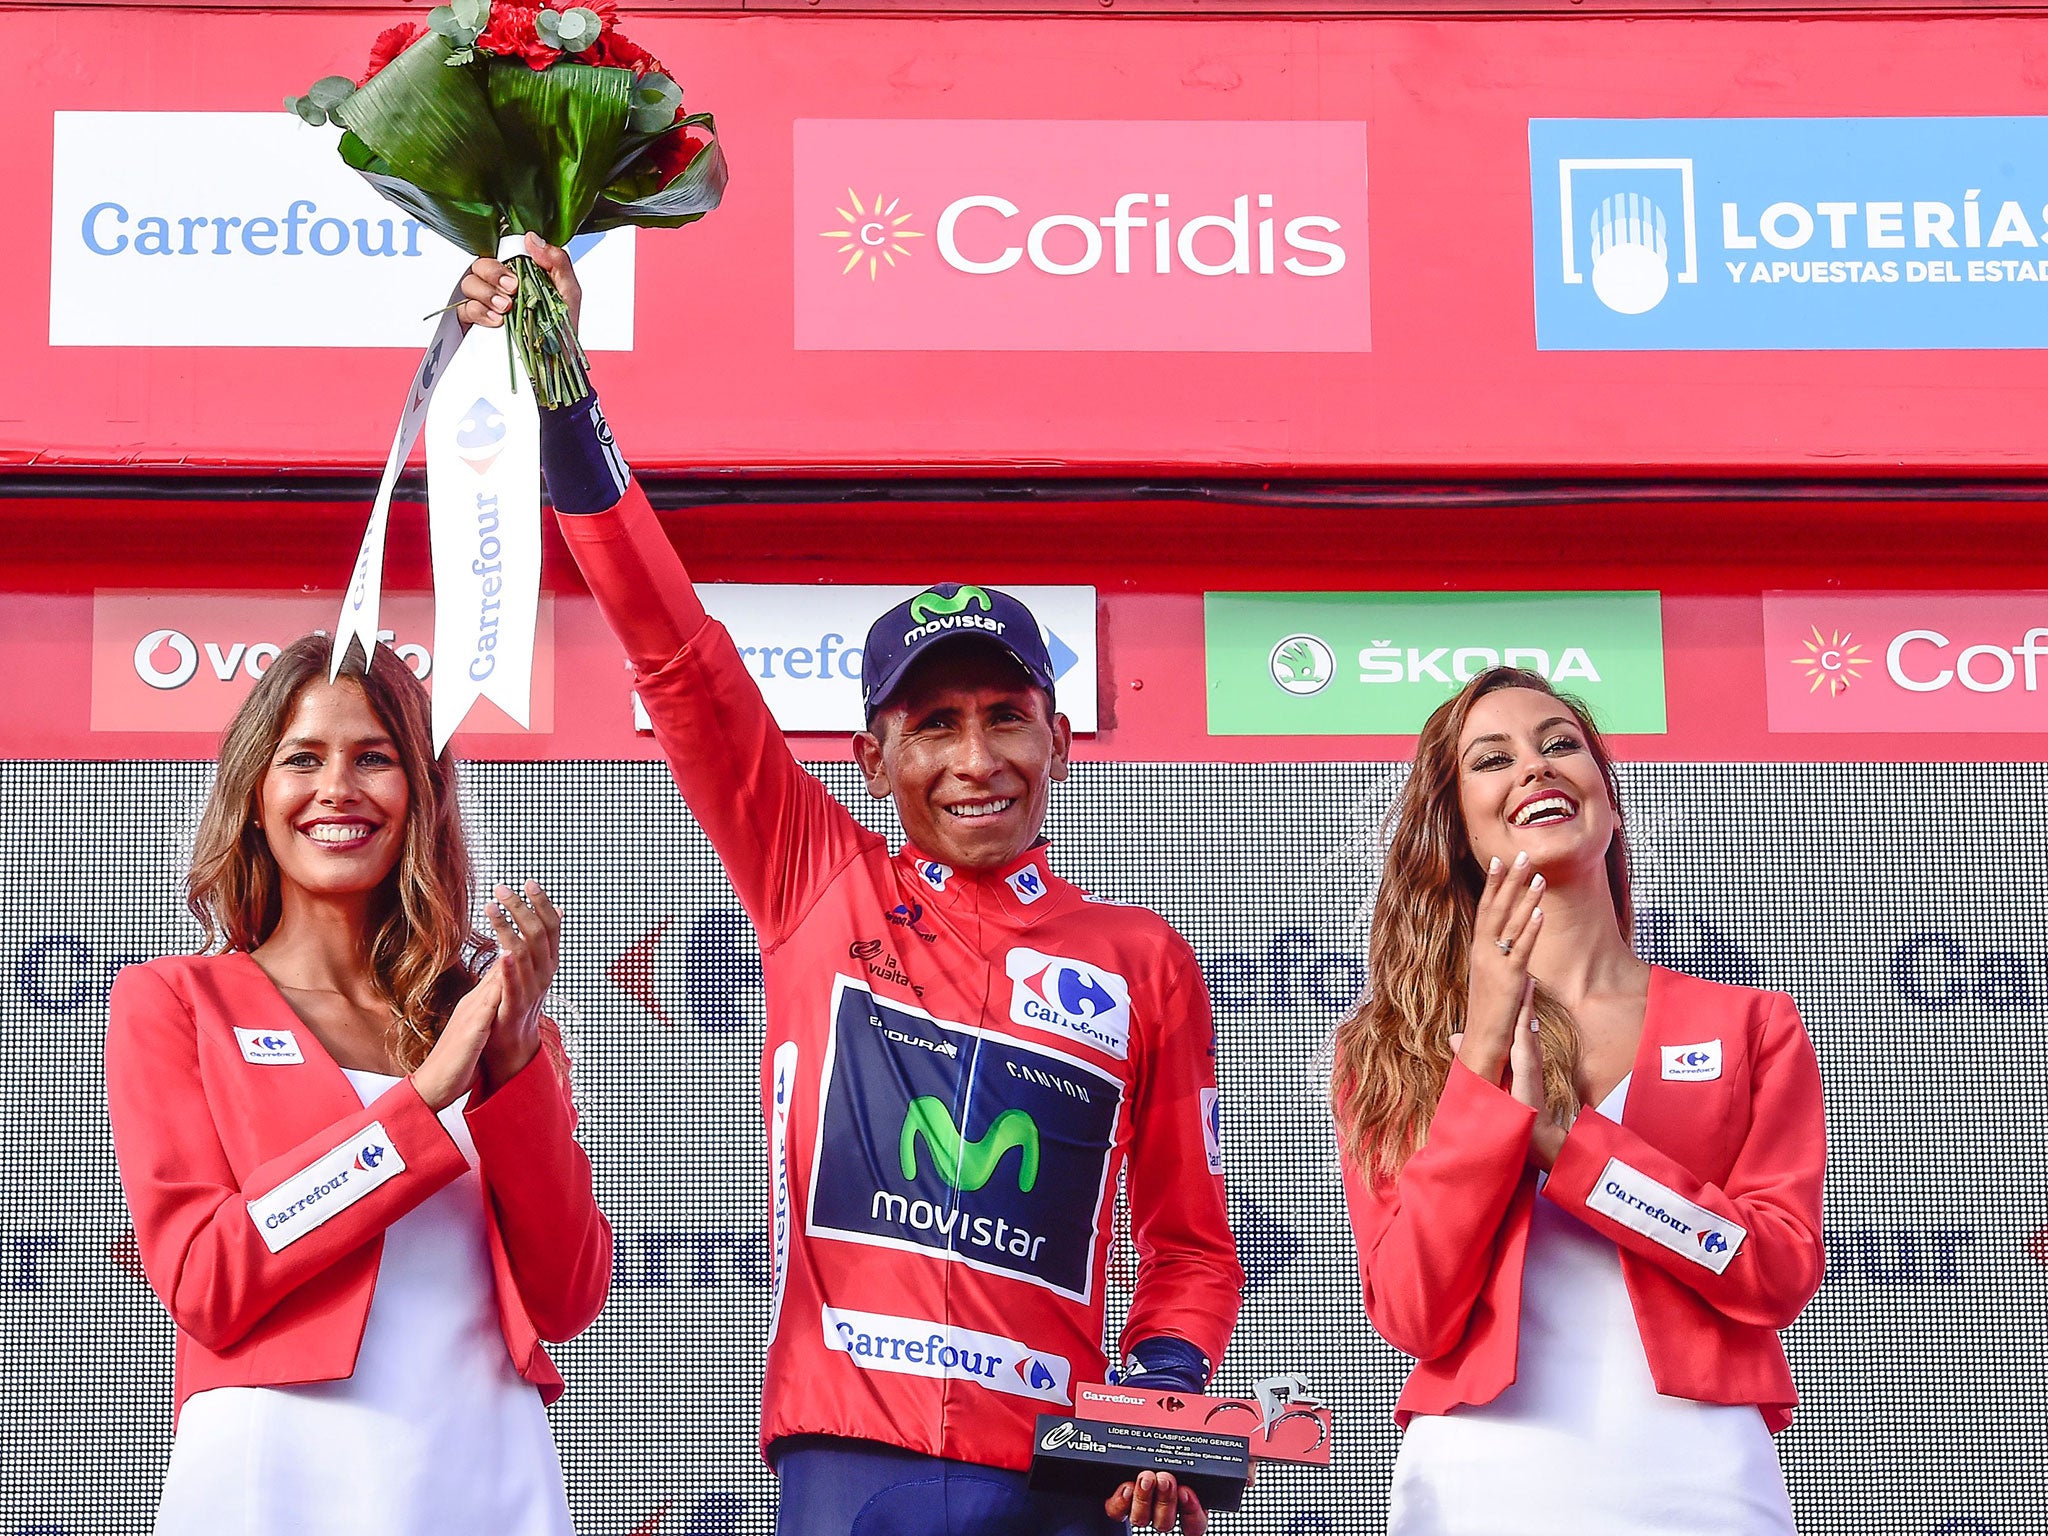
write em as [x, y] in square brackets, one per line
[717, 376]
[920, 234]
[76, 665]
[1936, 663]
[182, 662]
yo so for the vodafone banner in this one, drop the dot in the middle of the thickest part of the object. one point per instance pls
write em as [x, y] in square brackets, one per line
[184, 661]
[928, 235]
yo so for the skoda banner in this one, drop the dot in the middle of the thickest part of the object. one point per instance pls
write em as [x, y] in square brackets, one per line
[1790, 234]
[1376, 664]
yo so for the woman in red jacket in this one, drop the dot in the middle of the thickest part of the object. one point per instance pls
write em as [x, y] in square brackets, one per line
[347, 1146]
[1586, 1191]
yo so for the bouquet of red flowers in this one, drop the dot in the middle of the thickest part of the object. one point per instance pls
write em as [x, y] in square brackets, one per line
[502, 116]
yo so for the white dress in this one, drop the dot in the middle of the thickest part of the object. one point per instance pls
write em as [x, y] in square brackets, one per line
[435, 1433]
[1582, 1444]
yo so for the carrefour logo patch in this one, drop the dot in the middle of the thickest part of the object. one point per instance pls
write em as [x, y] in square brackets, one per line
[1070, 997]
[1692, 1063]
[326, 1187]
[269, 1047]
[915, 1346]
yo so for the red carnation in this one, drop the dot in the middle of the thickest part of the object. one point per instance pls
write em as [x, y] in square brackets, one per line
[672, 155]
[389, 45]
[512, 35]
[618, 52]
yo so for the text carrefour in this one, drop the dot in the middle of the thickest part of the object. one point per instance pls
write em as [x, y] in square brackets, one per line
[105, 232]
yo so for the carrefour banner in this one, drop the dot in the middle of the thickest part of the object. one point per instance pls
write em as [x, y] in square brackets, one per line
[245, 229]
[1769, 233]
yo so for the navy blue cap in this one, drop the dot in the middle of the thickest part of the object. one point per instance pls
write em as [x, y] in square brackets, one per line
[948, 611]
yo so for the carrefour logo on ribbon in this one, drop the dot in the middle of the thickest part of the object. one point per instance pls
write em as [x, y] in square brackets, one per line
[1790, 233]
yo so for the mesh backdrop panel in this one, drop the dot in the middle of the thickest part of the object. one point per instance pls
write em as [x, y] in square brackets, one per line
[1901, 906]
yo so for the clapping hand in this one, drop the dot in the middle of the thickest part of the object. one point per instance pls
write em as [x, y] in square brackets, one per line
[529, 935]
[1497, 987]
[451, 1066]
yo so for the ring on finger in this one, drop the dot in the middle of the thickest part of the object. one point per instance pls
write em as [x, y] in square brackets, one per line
[1505, 946]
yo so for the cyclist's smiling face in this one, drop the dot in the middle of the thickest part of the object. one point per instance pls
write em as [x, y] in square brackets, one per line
[969, 749]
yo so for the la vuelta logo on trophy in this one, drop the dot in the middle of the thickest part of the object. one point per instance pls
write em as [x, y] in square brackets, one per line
[473, 107]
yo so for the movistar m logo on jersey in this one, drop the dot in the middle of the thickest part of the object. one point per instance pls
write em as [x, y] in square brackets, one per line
[965, 1164]
[969, 1146]
[938, 609]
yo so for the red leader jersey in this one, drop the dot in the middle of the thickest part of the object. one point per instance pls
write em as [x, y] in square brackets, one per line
[1710, 1185]
[261, 1185]
[959, 1067]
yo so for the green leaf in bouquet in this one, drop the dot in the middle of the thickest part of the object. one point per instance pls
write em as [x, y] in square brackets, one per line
[462, 22]
[471, 226]
[656, 99]
[308, 110]
[473, 14]
[561, 128]
[330, 92]
[432, 129]
[572, 31]
[652, 193]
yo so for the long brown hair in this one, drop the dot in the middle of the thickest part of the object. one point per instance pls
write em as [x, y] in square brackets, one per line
[421, 949]
[1393, 1055]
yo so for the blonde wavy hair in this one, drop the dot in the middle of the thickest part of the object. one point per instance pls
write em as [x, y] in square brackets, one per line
[1391, 1057]
[421, 948]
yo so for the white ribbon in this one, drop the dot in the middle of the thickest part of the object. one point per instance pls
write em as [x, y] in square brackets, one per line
[360, 605]
[483, 513]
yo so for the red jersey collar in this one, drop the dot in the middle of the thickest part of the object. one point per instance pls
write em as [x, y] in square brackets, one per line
[1025, 885]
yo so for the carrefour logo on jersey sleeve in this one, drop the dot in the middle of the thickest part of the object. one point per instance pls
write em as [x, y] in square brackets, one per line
[913, 1346]
[1790, 233]
[970, 1146]
[1072, 998]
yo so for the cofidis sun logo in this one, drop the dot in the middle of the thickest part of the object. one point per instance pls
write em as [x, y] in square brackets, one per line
[1831, 661]
[1077, 236]
[871, 233]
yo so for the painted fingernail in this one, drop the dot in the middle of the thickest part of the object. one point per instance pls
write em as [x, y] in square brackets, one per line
[1536, 916]
[1536, 883]
[1521, 858]
[1494, 867]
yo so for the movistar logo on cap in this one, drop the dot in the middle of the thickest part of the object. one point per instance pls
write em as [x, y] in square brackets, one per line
[927, 606]
[932, 610]
[963, 1164]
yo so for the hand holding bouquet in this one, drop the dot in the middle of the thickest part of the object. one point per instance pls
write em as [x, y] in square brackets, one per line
[502, 117]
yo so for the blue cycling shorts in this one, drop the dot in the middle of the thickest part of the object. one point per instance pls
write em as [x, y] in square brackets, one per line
[839, 1487]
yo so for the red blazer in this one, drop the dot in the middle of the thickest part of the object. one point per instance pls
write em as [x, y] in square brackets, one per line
[1710, 1186]
[261, 1185]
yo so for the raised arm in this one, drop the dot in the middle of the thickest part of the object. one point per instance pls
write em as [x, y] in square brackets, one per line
[779, 832]
[221, 1251]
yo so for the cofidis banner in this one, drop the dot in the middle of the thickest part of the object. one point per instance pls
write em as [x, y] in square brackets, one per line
[1700, 234]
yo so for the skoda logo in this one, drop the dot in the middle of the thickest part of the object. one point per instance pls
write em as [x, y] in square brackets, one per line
[1302, 664]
